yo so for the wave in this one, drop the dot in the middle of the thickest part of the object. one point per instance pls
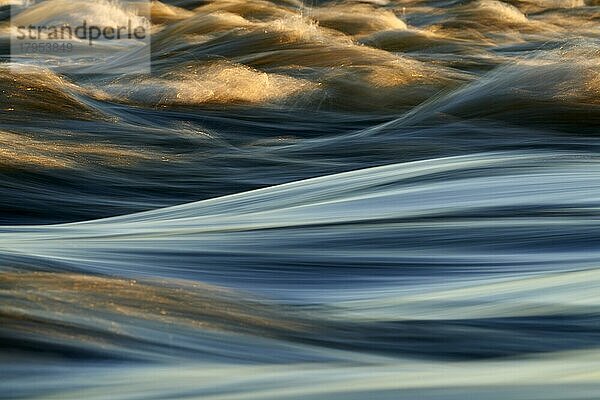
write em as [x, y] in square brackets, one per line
[306, 199]
[73, 13]
[448, 190]
[377, 266]
[54, 95]
[212, 83]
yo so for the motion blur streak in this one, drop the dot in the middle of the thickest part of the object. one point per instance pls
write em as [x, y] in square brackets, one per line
[385, 199]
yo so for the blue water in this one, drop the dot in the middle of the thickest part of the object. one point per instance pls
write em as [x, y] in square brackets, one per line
[393, 200]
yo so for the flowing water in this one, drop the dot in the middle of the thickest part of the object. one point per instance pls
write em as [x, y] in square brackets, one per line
[308, 200]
